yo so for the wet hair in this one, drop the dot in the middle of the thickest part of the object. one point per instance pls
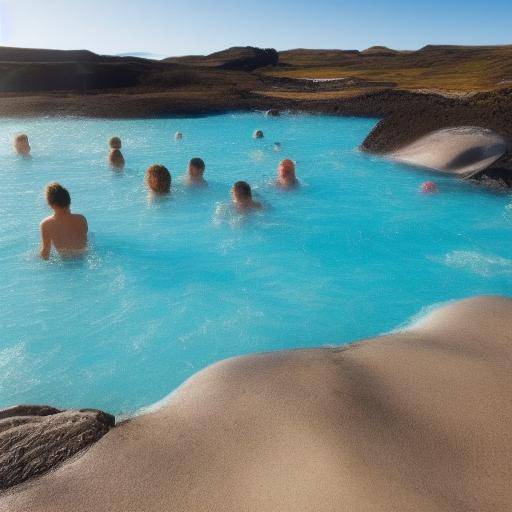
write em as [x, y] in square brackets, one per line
[57, 195]
[198, 162]
[22, 137]
[258, 134]
[288, 167]
[158, 179]
[115, 143]
[21, 144]
[116, 158]
[242, 189]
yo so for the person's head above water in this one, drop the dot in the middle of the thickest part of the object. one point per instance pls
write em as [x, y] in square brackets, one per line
[242, 190]
[158, 179]
[258, 134]
[115, 143]
[196, 168]
[116, 159]
[286, 174]
[178, 136]
[429, 187]
[242, 196]
[57, 196]
[21, 144]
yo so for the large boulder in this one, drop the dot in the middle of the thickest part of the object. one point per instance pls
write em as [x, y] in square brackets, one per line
[36, 439]
[418, 420]
[462, 151]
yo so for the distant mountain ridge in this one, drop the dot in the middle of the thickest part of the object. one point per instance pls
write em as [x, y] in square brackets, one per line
[246, 58]
[141, 55]
[12, 54]
[287, 74]
[379, 50]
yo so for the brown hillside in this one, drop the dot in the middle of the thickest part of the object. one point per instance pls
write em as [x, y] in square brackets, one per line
[442, 68]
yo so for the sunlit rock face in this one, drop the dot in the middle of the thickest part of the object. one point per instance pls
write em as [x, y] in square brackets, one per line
[463, 151]
[36, 439]
[417, 420]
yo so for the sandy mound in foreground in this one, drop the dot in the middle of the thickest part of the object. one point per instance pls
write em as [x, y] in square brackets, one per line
[462, 151]
[415, 421]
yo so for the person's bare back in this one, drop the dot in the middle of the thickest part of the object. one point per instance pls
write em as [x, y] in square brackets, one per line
[66, 231]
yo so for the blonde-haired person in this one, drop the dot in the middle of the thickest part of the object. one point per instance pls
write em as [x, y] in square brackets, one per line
[22, 145]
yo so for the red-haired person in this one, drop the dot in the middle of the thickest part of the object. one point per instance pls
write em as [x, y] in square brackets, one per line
[158, 179]
[286, 177]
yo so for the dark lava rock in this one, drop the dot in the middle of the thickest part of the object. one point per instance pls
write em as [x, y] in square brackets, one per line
[499, 174]
[36, 439]
[409, 116]
[412, 115]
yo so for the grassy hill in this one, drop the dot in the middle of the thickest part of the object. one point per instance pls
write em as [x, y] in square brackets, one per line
[336, 80]
[456, 69]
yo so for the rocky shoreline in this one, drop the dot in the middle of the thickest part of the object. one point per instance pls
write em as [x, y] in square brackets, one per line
[37, 439]
[417, 420]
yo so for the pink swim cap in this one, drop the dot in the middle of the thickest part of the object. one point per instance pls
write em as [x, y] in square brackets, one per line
[429, 187]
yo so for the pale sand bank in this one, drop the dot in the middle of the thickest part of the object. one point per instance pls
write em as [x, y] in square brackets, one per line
[415, 421]
[462, 151]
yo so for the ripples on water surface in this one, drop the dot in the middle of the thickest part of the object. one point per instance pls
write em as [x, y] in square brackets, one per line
[169, 288]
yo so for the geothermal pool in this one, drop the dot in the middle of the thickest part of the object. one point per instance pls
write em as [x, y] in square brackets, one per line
[170, 287]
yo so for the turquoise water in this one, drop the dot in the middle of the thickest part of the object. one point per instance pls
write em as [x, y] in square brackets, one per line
[170, 286]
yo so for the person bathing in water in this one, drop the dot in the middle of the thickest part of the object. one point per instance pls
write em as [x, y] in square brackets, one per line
[116, 158]
[21, 145]
[158, 179]
[66, 231]
[195, 175]
[242, 197]
[286, 177]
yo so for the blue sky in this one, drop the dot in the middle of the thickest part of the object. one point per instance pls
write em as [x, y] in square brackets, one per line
[170, 27]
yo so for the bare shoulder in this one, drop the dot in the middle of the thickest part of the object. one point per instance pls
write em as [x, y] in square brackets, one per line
[47, 223]
[80, 218]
